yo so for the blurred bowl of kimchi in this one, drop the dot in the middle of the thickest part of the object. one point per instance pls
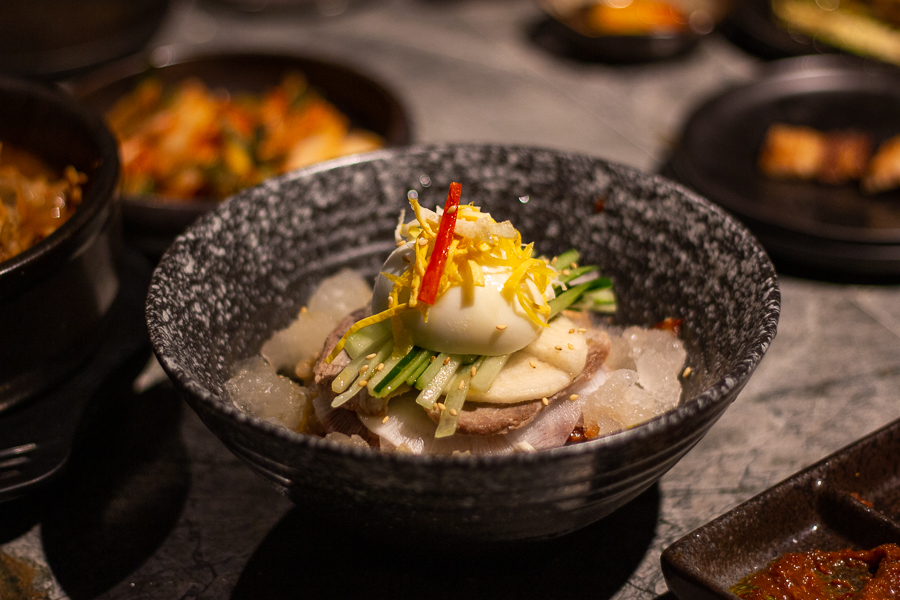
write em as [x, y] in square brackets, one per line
[194, 129]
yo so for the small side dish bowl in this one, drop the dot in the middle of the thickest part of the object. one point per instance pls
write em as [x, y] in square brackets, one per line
[244, 271]
[54, 296]
[151, 221]
[624, 32]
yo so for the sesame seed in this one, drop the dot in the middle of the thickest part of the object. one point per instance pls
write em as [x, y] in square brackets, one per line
[573, 397]
[422, 241]
[545, 401]
[451, 210]
[571, 346]
[572, 330]
[370, 356]
[440, 406]
[446, 360]
[390, 301]
[581, 330]
[303, 310]
[363, 369]
[362, 383]
[574, 265]
[379, 367]
[502, 327]
[533, 364]
[566, 272]
[687, 372]
[462, 385]
[385, 419]
[453, 412]
[553, 261]
[558, 347]
[401, 243]
[433, 356]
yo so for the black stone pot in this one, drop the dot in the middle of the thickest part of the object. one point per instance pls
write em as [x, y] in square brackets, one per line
[55, 296]
[244, 271]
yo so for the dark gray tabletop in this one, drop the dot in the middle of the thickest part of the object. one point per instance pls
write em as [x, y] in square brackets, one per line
[158, 508]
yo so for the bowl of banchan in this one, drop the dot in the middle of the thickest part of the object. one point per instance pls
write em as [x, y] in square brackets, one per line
[659, 321]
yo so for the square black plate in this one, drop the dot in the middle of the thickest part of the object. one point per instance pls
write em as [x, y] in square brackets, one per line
[824, 507]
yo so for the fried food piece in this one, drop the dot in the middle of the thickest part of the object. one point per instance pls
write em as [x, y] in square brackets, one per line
[884, 169]
[797, 152]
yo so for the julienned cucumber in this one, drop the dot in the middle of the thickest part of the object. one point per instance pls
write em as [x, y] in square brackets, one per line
[453, 403]
[400, 371]
[432, 390]
[574, 294]
[358, 343]
[487, 372]
[367, 369]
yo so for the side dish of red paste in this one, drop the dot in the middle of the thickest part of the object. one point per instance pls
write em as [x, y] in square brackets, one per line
[817, 575]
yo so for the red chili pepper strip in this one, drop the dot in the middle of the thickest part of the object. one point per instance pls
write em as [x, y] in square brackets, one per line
[431, 281]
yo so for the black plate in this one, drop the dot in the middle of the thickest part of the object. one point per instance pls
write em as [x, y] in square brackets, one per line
[830, 228]
[817, 508]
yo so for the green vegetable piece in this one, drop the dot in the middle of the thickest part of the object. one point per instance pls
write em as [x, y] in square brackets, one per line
[574, 294]
[361, 341]
[394, 373]
[566, 259]
[351, 371]
[355, 388]
[456, 397]
[381, 375]
[431, 370]
[576, 273]
[419, 360]
[411, 380]
[432, 391]
[487, 372]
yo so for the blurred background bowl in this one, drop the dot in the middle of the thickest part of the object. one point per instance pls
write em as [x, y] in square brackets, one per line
[52, 39]
[151, 222]
[56, 296]
[645, 31]
[243, 272]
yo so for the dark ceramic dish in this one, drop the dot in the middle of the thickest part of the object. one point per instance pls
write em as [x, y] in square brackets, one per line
[55, 296]
[151, 223]
[821, 507]
[751, 25]
[244, 271]
[52, 39]
[563, 33]
[825, 227]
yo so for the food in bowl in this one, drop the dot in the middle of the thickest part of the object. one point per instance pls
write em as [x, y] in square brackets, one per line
[470, 343]
[830, 157]
[190, 141]
[635, 17]
[863, 574]
[34, 200]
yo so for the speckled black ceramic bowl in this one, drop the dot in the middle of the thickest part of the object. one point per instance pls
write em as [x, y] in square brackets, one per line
[244, 271]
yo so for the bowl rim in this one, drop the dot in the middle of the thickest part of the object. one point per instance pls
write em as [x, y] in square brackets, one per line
[100, 196]
[703, 403]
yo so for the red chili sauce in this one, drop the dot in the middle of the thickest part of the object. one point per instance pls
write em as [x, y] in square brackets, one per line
[817, 575]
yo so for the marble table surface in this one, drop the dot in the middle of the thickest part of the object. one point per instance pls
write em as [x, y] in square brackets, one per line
[157, 508]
